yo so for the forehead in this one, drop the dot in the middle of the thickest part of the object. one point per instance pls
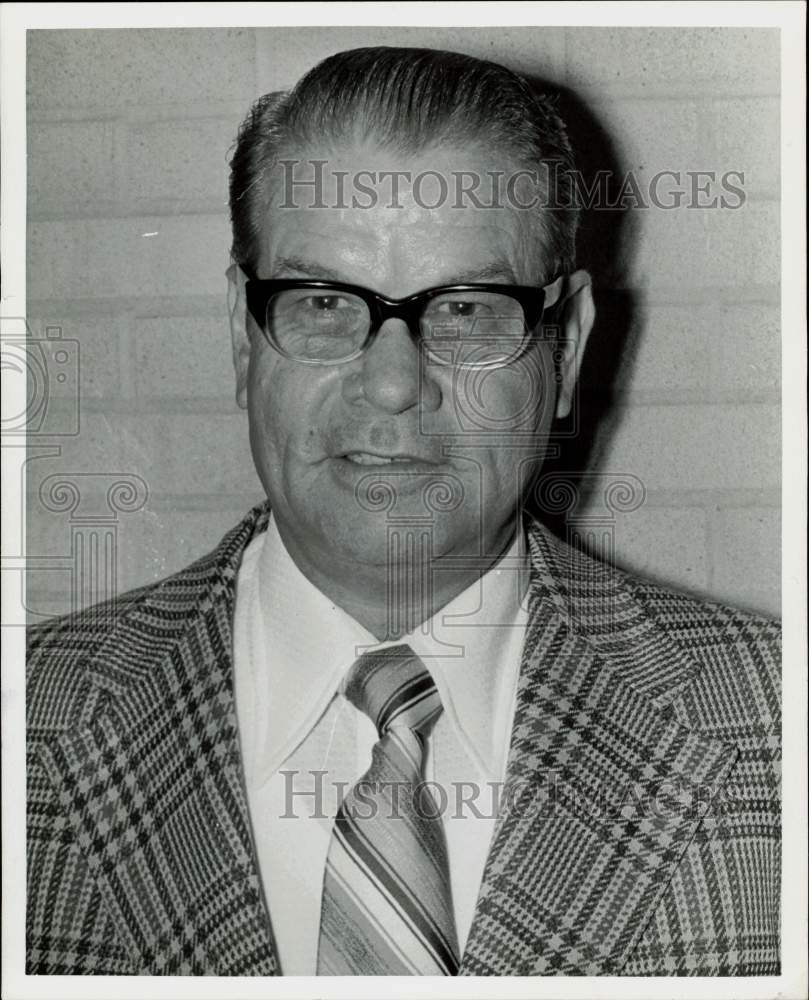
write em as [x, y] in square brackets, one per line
[361, 212]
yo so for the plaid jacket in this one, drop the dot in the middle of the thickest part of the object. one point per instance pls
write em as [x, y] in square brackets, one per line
[643, 833]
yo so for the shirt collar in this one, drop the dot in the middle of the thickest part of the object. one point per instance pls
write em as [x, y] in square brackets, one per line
[471, 646]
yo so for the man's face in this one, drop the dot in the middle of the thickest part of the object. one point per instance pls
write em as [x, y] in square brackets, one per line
[347, 451]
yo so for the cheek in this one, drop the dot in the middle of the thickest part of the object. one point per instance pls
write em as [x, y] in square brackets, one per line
[517, 400]
[265, 403]
[284, 403]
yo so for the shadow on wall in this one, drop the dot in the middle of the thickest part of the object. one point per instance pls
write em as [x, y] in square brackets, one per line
[605, 247]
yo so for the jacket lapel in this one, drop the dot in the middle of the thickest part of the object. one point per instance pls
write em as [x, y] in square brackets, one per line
[153, 782]
[605, 786]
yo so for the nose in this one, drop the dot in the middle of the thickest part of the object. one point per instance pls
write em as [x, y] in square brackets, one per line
[391, 378]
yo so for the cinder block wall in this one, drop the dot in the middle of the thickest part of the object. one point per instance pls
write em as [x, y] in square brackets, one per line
[128, 136]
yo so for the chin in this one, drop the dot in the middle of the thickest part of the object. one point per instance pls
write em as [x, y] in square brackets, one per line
[407, 538]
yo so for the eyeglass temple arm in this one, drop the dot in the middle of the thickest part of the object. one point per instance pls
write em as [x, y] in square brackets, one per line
[553, 292]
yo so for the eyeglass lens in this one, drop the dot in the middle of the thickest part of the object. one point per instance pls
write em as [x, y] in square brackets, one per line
[477, 328]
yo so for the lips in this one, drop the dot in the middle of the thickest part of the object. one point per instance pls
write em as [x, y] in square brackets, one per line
[369, 458]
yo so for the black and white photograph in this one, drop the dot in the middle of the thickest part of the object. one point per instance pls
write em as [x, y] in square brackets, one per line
[404, 500]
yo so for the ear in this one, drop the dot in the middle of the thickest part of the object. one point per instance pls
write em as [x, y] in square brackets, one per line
[240, 339]
[578, 313]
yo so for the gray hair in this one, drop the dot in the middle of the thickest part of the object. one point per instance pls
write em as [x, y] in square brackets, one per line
[407, 99]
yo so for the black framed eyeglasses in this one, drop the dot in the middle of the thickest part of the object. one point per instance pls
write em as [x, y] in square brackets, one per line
[329, 323]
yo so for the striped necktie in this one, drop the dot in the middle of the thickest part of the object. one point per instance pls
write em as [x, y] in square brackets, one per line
[387, 902]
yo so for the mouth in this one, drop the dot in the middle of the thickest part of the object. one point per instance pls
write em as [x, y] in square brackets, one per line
[370, 458]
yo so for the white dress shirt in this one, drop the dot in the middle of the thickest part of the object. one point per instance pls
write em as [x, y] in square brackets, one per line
[292, 650]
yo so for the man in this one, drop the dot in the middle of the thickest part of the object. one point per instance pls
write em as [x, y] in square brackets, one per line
[391, 725]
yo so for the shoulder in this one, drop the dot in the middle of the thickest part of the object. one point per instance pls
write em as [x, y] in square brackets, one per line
[710, 629]
[67, 656]
[713, 662]
[736, 657]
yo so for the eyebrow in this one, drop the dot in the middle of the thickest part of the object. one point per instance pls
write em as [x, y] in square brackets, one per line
[307, 268]
[496, 270]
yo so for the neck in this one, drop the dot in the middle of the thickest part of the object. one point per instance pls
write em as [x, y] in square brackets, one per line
[393, 599]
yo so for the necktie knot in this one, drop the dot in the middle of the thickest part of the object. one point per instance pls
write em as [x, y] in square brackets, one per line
[387, 897]
[394, 688]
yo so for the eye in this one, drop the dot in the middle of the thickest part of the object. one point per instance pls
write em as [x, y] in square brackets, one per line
[325, 303]
[460, 307]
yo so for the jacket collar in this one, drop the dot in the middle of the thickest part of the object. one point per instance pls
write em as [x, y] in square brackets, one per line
[152, 779]
[607, 786]
[153, 784]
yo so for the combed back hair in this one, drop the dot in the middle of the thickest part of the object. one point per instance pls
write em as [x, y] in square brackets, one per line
[407, 100]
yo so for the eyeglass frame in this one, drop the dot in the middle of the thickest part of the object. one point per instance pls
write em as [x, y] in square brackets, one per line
[533, 301]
